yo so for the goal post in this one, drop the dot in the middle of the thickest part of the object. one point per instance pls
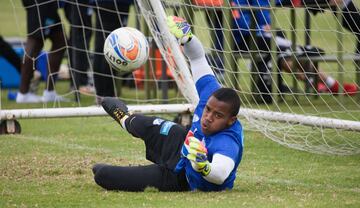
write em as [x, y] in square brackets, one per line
[179, 108]
[169, 48]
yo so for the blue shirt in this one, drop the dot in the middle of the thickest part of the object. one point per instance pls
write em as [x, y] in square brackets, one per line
[228, 142]
[262, 16]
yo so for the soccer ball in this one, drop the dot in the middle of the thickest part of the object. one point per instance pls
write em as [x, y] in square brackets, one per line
[126, 49]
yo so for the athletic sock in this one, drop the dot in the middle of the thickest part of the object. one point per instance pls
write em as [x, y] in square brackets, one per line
[330, 82]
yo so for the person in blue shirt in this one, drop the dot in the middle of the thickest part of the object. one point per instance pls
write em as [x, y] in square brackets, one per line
[262, 21]
[9, 54]
[203, 158]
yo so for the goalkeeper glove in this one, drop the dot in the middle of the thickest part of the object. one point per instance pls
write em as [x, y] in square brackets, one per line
[180, 28]
[197, 154]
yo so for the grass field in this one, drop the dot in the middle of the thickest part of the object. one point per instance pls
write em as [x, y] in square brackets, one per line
[49, 163]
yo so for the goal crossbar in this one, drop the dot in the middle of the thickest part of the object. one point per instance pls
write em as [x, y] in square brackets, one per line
[89, 111]
[179, 108]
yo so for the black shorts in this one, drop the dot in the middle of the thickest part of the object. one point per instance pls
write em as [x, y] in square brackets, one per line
[163, 139]
[42, 18]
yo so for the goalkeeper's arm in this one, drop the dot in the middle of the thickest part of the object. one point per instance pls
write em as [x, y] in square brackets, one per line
[193, 48]
[215, 172]
[220, 169]
[196, 55]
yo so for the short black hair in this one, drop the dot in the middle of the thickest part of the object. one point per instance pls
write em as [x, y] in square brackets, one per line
[229, 95]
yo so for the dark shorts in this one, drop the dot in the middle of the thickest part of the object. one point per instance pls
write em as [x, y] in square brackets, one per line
[42, 18]
[163, 139]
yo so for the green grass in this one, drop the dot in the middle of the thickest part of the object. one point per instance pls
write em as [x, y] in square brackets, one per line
[49, 163]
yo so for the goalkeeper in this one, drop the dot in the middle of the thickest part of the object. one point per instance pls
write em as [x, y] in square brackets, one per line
[204, 158]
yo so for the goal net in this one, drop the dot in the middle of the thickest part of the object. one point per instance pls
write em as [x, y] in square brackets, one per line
[298, 89]
[282, 76]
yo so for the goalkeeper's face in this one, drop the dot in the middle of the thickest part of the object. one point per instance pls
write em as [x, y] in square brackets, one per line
[216, 116]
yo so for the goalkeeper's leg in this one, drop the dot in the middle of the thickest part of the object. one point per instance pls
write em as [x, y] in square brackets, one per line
[139, 177]
[163, 139]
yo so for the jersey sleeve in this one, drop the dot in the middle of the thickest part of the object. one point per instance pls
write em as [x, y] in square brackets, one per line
[227, 146]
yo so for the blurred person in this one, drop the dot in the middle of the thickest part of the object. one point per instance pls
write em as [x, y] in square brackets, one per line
[110, 15]
[13, 58]
[262, 39]
[262, 31]
[9, 54]
[205, 158]
[283, 45]
[349, 11]
[285, 62]
[42, 22]
[79, 14]
[242, 38]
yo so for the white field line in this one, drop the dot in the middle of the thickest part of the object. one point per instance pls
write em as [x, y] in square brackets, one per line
[63, 144]
[73, 146]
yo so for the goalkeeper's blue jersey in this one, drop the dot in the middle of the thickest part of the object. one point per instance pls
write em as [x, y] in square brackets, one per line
[228, 142]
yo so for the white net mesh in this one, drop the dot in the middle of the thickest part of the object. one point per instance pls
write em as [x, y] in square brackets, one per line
[290, 81]
[85, 25]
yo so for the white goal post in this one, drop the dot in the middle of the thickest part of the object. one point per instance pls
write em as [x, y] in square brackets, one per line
[178, 108]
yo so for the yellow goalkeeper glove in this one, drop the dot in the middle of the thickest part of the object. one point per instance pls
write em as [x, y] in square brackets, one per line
[180, 28]
[198, 156]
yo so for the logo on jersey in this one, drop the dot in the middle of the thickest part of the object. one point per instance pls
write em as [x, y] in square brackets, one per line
[189, 134]
[158, 121]
[165, 127]
[195, 118]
